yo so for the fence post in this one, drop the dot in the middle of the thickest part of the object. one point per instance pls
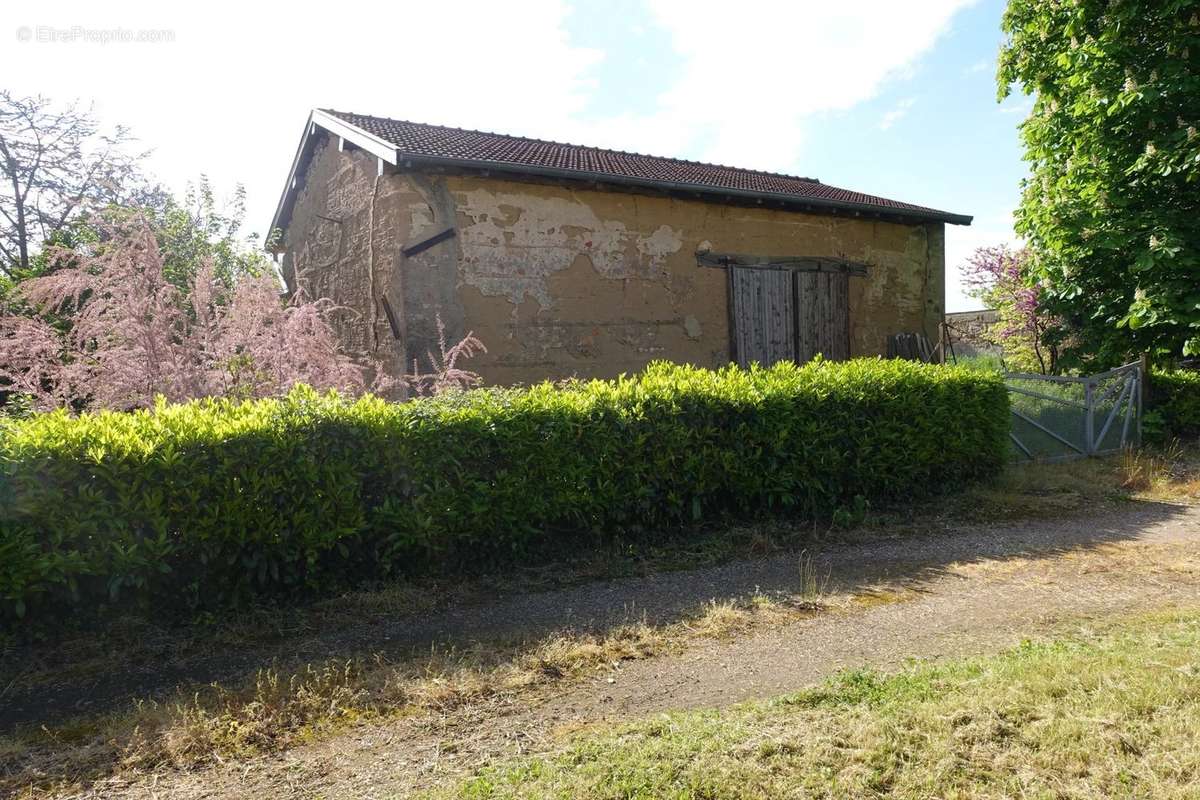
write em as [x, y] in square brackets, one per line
[1144, 390]
[1089, 417]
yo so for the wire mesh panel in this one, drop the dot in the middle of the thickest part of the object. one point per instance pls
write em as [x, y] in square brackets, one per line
[1049, 418]
[1056, 417]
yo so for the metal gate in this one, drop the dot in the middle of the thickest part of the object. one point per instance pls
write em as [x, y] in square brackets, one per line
[1057, 417]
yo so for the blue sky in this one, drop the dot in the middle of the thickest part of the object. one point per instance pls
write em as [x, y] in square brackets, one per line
[933, 134]
[890, 98]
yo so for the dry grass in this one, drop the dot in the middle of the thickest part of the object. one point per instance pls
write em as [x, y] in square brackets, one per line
[79, 655]
[814, 583]
[1032, 491]
[282, 709]
[1100, 715]
[1170, 473]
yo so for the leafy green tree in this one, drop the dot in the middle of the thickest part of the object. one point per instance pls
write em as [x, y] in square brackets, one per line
[56, 164]
[198, 230]
[193, 230]
[59, 170]
[1111, 209]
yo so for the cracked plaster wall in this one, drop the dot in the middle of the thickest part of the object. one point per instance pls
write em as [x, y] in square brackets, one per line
[559, 281]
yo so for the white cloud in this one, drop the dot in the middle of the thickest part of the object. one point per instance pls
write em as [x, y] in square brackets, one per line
[756, 70]
[983, 65]
[229, 95]
[897, 113]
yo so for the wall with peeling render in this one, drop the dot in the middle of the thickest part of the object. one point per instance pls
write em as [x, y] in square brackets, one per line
[338, 245]
[559, 281]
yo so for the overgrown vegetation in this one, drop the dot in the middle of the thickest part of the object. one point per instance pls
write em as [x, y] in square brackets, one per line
[1091, 717]
[1174, 407]
[108, 328]
[210, 503]
[57, 164]
[998, 276]
[1160, 474]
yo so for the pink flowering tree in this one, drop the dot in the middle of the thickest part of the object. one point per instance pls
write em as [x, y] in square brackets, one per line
[446, 374]
[999, 277]
[107, 329]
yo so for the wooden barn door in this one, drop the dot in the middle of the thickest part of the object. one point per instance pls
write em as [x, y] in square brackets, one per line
[785, 315]
[822, 315]
[763, 306]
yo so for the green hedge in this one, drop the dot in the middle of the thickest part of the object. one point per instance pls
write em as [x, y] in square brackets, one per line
[1174, 405]
[209, 503]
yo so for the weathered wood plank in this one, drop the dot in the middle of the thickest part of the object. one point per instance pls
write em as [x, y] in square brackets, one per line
[824, 310]
[393, 322]
[791, 263]
[743, 315]
[839, 319]
[807, 344]
[424, 245]
[763, 316]
[823, 316]
[780, 315]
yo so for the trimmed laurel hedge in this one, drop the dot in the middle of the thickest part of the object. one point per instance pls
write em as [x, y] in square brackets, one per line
[210, 503]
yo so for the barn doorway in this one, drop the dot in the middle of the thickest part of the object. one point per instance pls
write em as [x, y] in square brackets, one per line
[788, 315]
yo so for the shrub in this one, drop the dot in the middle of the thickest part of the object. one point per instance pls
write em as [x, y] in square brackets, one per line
[212, 502]
[1174, 405]
[113, 331]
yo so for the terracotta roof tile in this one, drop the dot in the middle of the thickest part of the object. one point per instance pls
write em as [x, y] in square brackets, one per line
[514, 153]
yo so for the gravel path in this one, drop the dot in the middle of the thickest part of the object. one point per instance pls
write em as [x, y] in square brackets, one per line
[519, 617]
[959, 591]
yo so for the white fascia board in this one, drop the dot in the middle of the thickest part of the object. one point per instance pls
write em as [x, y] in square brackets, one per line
[367, 141]
[319, 119]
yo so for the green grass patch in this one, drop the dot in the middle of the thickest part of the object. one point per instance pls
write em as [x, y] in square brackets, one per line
[1096, 716]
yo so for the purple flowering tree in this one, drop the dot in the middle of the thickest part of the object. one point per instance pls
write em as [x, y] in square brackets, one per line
[999, 276]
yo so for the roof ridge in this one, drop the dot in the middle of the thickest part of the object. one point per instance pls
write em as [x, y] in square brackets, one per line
[676, 159]
[392, 139]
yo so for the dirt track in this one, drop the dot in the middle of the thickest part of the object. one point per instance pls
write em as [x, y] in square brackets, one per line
[964, 590]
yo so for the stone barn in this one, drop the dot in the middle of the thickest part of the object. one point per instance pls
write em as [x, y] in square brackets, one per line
[577, 261]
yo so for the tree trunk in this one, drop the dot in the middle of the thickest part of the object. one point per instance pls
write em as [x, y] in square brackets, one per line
[10, 166]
